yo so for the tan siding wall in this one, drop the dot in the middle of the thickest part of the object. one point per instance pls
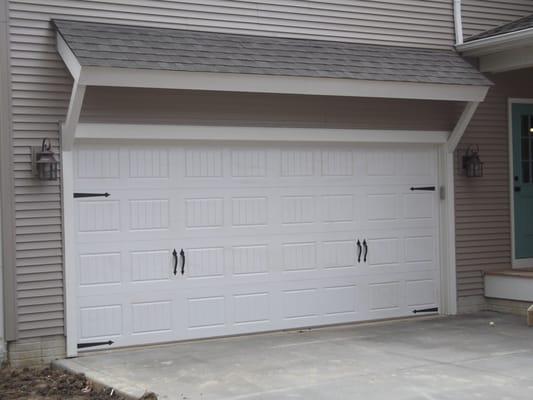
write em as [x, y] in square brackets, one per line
[426, 23]
[41, 87]
[220, 108]
[483, 223]
[480, 15]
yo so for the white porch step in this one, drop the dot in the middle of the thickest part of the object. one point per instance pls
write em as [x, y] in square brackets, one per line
[510, 284]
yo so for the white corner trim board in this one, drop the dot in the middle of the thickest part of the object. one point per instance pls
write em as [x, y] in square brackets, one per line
[243, 133]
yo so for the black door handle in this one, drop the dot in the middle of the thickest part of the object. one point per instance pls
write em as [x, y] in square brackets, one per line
[182, 255]
[365, 245]
[517, 188]
[175, 256]
[359, 251]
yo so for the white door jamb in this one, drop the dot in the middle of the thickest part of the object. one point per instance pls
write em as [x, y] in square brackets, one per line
[67, 134]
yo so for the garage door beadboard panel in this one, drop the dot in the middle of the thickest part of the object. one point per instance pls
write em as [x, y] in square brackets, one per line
[483, 224]
[269, 238]
[481, 15]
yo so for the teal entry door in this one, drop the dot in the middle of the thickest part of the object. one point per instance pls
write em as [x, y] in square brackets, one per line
[522, 125]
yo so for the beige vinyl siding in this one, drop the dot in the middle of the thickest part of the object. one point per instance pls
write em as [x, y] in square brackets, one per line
[41, 88]
[148, 106]
[481, 15]
[483, 223]
[419, 23]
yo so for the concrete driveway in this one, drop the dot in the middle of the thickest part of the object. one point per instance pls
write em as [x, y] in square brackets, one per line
[444, 358]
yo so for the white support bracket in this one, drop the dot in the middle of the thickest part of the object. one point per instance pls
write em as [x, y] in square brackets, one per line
[462, 124]
[73, 116]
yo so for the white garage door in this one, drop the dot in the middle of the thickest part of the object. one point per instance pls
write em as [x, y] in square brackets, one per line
[269, 234]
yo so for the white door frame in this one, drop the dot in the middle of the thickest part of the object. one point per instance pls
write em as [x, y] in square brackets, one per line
[525, 262]
[439, 139]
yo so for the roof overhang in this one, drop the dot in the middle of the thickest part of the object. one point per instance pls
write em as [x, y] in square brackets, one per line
[164, 79]
[493, 44]
[501, 53]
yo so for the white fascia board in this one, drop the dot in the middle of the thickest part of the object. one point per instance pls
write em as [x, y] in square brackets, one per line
[240, 133]
[493, 44]
[508, 60]
[68, 57]
[145, 78]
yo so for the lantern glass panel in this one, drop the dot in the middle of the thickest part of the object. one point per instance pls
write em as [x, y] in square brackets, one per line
[46, 165]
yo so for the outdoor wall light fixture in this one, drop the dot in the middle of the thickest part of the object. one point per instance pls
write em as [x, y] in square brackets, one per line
[472, 165]
[44, 163]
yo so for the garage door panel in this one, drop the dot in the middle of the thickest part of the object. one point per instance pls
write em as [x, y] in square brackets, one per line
[98, 161]
[249, 260]
[269, 234]
[338, 255]
[341, 299]
[419, 207]
[417, 162]
[402, 292]
[401, 251]
[398, 164]
[98, 217]
[301, 302]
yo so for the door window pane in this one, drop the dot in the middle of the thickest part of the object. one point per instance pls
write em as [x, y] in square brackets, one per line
[525, 126]
[526, 178]
[525, 149]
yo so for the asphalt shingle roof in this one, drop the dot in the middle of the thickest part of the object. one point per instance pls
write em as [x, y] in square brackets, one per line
[120, 46]
[514, 26]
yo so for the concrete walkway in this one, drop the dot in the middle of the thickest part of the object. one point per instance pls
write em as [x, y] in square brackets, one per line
[446, 358]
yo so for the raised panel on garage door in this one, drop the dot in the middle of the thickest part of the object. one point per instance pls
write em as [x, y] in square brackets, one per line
[269, 232]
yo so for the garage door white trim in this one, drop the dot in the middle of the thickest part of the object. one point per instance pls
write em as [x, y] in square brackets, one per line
[270, 134]
[447, 257]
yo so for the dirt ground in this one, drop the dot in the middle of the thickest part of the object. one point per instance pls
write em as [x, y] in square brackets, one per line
[51, 384]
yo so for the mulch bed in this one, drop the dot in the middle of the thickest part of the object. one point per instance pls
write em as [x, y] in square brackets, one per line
[52, 384]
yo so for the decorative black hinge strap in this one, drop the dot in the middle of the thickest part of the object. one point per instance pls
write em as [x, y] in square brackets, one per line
[94, 344]
[78, 195]
[427, 188]
[426, 310]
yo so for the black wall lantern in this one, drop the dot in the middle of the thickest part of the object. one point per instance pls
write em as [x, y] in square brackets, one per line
[45, 164]
[472, 165]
